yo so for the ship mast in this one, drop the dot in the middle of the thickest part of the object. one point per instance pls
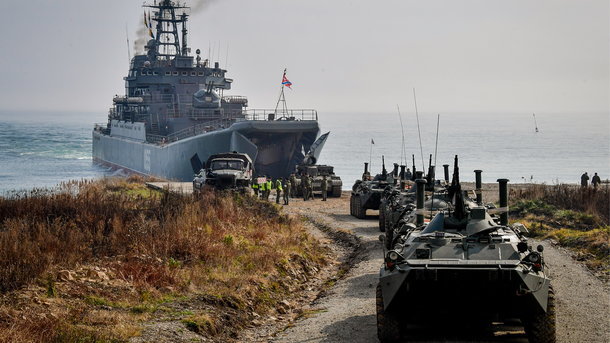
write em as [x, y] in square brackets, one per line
[166, 39]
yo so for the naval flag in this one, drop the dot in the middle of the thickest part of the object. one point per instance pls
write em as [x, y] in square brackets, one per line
[285, 80]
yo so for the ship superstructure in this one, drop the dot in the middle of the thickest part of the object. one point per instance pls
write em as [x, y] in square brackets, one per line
[174, 113]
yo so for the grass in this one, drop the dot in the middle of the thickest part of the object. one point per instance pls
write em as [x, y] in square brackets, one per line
[575, 218]
[154, 248]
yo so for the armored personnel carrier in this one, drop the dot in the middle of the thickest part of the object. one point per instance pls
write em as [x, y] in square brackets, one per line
[231, 170]
[467, 263]
[366, 193]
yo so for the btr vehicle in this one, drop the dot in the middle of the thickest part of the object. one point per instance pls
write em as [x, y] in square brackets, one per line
[467, 263]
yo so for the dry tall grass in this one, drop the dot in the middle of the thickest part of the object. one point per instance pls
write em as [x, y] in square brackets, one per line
[572, 197]
[224, 245]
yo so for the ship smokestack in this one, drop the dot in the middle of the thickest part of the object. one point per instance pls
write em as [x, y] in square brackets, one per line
[184, 31]
[479, 186]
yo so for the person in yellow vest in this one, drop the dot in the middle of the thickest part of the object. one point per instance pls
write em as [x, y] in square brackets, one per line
[269, 188]
[278, 190]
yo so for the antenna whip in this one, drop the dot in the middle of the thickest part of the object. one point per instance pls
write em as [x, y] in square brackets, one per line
[438, 119]
[421, 150]
[403, 151]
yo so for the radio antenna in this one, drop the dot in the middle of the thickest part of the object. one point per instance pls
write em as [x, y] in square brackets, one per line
[438, 120]
[403, 152]
[128, 51]
[421, 150]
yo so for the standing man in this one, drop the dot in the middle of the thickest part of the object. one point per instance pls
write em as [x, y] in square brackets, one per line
[278, 190]
[287, 187]
[255, 186]
[269, 188]
[310, 187]
[293, 183]
[595, 181]
[584, 180]
[304, 188]
[324, 187]
[263, 188]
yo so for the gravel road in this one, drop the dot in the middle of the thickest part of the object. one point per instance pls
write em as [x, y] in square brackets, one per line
[347, 312]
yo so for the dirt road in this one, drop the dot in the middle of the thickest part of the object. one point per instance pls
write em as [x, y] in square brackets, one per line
[347, 312]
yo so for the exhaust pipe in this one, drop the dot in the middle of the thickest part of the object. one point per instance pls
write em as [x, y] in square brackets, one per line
[503, 187]
[402, 172]
[446, 168]
[479, 186]
[420, 193]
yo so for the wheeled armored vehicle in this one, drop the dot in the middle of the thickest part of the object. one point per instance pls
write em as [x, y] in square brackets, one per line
[467, 263]
[366, 193]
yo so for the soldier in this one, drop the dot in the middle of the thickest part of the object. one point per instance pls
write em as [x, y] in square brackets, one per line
[595, 181]
[255, 186]
[304, 188]
[278, 190]
[263, 189]
[269, 188]
[584, 180]
[287, 189]
[324, 187]
[293, 183]
[310, 186]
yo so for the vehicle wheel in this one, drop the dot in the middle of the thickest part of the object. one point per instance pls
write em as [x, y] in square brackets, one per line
[381, 219]
[336, 192]
[388, 329]
[540, 327]
[360, 212]
[389, 238]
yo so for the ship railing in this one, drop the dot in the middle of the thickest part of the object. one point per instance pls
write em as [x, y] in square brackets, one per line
[190, 131]
[268, 114]
[101, 127]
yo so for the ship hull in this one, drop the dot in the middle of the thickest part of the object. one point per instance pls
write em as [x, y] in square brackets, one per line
[275, 146]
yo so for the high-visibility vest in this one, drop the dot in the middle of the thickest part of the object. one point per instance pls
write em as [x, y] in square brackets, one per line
[263, 186]
[269, 185]
[255, 185]
[278, 185]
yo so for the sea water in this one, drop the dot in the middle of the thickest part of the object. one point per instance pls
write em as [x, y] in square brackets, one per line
[43, 149]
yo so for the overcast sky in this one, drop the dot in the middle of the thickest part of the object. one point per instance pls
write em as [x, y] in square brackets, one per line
[342, 56]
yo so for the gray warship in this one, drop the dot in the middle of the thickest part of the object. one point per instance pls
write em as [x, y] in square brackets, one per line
[175, 113]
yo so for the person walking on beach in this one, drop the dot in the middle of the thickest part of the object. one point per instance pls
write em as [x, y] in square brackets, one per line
[262, 188]
[324, 187]
[269, 188]
[595, 181]
[278, 190]
[255, 186]
[584, 180]
[287, 187]
[293, 184]
[310, 187]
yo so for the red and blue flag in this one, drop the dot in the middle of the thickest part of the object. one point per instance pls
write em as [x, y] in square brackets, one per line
[285, 80]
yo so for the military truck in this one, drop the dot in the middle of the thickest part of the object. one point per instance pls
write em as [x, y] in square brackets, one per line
[465, 264]
[230, 170]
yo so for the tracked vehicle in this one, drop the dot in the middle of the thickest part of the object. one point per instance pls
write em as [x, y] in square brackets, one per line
[468, 264]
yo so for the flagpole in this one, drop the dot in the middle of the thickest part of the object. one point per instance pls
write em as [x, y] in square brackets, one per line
[371, 156]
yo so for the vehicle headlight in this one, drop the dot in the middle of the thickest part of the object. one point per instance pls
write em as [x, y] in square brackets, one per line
[393, 255]
[533, 257]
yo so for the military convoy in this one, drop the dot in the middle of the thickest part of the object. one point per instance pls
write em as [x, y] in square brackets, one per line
[367, 192]
[231, 170]
[466, 262]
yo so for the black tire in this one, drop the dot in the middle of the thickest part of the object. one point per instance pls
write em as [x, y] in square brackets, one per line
[388, 328]
[360, 212]
[389, 238]
[381, 219]
[540, 327]
[335, 192]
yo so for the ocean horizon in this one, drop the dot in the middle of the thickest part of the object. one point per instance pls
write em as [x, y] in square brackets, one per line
[42, 149]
